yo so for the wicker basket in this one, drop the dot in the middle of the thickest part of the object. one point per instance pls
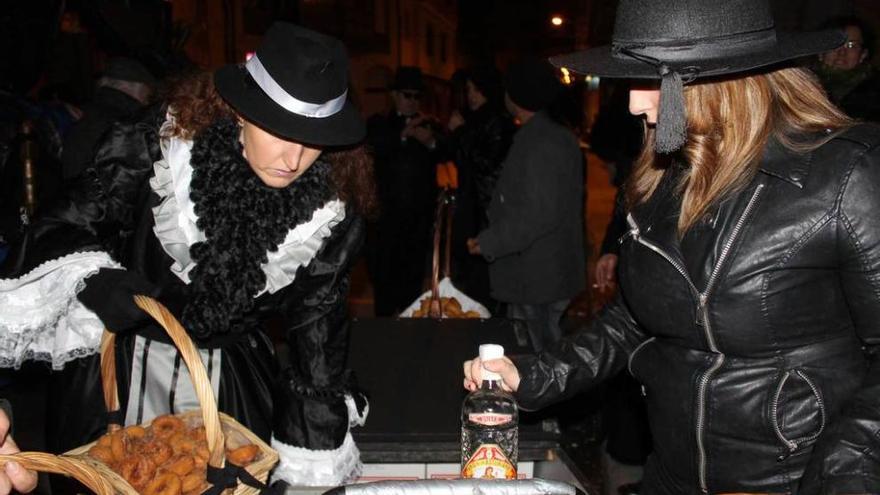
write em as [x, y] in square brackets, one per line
[218, 426]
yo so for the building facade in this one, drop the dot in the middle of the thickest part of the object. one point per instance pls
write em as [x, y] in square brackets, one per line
[380, 35]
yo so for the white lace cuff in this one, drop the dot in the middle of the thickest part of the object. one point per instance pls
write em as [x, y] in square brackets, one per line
[299, 466]
[41, 318]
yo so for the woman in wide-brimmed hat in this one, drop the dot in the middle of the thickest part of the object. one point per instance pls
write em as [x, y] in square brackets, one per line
[239, 202]
[750, 275]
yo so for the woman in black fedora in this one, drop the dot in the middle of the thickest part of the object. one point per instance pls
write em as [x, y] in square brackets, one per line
[750, 275]
[239, 203]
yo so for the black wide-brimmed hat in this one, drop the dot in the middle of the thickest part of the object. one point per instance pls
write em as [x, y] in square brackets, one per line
[679, 41]
[295, 86]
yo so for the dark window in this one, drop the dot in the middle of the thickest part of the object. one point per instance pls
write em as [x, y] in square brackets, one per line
[429, 40]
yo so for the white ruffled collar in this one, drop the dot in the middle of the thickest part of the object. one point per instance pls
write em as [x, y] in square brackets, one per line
[175, 219]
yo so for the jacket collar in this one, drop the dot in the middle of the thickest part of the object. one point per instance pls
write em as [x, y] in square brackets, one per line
[786, 164]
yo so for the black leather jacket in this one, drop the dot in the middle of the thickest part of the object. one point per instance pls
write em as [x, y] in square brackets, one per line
[757, 352]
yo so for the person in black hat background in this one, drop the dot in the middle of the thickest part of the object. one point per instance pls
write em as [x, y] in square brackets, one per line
[534, 241]
[849, 77]
[239, 201]
[748, 277]
[404, 143]
[125, 88]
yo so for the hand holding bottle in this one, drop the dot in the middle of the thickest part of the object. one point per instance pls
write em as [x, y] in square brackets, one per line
[509, 374]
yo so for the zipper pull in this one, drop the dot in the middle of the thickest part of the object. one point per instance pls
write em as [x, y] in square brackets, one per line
[792, 446]
[701, 311]
[633, 229]
[634, 233]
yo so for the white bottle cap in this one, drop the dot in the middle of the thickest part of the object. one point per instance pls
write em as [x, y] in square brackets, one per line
[489, 352]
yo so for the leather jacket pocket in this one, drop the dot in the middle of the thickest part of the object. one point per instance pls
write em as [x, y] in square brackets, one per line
[632, 356]
[797, 411]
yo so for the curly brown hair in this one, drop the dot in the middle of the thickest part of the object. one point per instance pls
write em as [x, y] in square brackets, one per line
[196, 105]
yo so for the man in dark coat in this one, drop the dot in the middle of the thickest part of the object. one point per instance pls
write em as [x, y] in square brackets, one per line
[535, 239]
[403, 142]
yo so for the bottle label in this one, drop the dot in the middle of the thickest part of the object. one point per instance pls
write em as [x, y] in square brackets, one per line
[489, 462]
[490, 419]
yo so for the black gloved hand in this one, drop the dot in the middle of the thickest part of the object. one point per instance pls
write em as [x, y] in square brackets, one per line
[110, 294]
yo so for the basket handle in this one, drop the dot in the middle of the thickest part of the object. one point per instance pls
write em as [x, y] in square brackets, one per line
[190, 355]
[443, 207]
[450, 210]
[108, 375]
[68, 466]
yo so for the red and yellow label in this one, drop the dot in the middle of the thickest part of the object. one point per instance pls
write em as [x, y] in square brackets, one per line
[489, 462]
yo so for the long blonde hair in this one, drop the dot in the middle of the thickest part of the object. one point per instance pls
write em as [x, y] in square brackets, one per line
[729, 124]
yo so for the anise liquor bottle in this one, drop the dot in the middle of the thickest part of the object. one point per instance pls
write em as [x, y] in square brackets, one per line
[489, 426]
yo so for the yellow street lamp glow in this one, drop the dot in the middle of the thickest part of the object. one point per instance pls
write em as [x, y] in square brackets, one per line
[566, 75]
[556, 20]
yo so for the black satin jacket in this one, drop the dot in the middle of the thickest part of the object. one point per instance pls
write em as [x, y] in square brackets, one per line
[757, 354]
[109, 209]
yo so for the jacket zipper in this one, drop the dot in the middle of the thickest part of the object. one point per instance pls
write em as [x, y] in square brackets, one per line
[702, 318]
[792, 445]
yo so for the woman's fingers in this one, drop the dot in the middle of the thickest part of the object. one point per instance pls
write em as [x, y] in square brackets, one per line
[23, 480]
[509, 374]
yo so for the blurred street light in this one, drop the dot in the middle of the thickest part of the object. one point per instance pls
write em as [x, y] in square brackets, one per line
[566, 75]
[556, 20]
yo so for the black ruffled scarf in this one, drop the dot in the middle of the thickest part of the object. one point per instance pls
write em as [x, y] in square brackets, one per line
[242, 219]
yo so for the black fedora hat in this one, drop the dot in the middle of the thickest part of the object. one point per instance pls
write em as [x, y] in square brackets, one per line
[679, 41]
[295, 86]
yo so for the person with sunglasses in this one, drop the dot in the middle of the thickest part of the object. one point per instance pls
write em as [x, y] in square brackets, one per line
[404, 143]
[847, 73]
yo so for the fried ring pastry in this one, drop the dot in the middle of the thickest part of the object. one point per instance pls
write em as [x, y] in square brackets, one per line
[103, 454]
[166, 426]
[119, 446]
[137, 470]
[242, 456]
[193, 481]
[181, 465]
[181, 443]
[105, 440]
[157, 451]
[166, 483]
[135, 432]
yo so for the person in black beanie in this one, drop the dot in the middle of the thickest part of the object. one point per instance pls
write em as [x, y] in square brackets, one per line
[534, 242]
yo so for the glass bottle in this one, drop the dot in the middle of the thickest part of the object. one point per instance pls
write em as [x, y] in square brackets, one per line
[489, 426]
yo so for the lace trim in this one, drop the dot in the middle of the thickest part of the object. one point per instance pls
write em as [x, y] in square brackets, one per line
[356, 418]
[175, 219]
[42, 318]
[299, 466]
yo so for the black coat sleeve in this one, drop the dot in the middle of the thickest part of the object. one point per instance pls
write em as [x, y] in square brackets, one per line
[846, 459]
[310, 408]
[97, 211]
[579, 362]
